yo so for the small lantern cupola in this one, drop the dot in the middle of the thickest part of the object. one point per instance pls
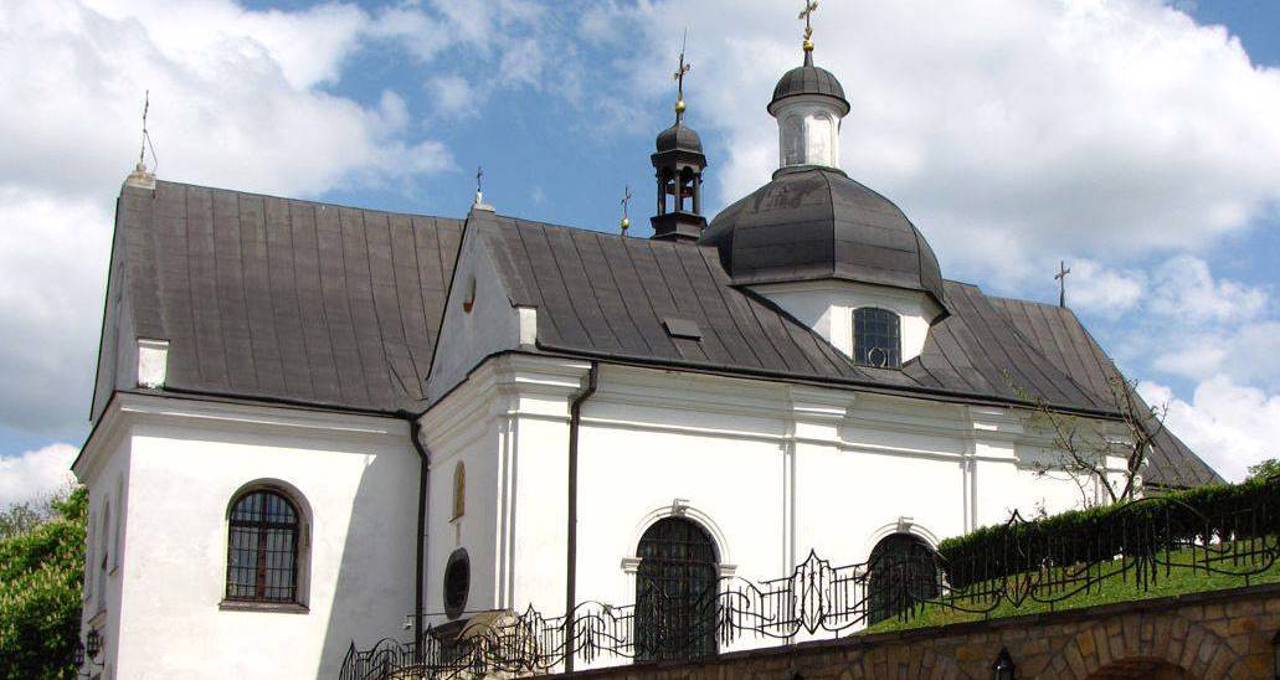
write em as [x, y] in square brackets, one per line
[679, 163]
[809, 104]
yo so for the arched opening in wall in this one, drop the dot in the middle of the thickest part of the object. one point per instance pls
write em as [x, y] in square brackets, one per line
[902, 573]
[819, 140]
[793, 141]
[676, 589]
[1142, 669]
[266, 546]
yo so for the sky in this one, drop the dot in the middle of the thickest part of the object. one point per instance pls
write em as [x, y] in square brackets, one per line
[1134, 139]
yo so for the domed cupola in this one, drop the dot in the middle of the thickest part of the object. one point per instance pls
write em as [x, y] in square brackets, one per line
[814, 223]
[822, 246]
[679, 138]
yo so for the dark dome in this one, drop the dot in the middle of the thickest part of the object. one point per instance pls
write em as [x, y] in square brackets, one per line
[814, 223]
[679, 137]
[808, 79]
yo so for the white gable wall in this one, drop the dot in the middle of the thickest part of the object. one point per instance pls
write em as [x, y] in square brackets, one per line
[490, 325]
[185, 462]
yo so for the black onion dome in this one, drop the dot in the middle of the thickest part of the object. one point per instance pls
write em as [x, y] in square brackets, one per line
[808, 79]
[812, 223]
[679, 137]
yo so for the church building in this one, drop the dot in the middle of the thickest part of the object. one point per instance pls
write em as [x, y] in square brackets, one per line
[316, 424]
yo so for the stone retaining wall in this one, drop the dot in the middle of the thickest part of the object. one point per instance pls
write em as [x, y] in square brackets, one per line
[1225, 635]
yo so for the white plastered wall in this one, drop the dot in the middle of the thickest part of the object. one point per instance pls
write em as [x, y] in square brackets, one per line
[808, 131]
[828, 306]
[770, 470]
[186, 461]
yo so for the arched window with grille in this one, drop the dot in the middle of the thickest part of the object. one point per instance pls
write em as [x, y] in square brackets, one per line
[877, 338]
[263, 548]
[676, 589]
[902, 573]
[459, 490]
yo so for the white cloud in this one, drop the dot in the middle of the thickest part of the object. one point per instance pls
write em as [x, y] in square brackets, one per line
[1230, 426]
[34, 474]
[1095, 288]
[237, 100]
[454, 96]
[1006, 129]
[1184, 288]
[1248, 354]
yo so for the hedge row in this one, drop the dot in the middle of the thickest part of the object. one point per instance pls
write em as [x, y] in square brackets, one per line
[1196, 516]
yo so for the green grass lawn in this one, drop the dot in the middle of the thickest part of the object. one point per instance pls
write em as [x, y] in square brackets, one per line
[1179, 580]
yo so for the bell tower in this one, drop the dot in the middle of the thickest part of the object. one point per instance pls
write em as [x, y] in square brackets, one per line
[679, 162]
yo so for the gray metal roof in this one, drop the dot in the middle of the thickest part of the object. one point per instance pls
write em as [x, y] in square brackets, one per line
[610, 297]
[815, 223]
[276, 299]
[679, 137]
[808, 80]
[1064, 341]
[273, 299]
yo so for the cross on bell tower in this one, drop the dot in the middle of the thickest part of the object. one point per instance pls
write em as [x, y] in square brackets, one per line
[679, 162]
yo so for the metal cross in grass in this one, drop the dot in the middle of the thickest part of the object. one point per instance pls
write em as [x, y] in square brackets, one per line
[1061, 278]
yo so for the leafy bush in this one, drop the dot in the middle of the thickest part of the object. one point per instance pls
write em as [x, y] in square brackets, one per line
[41, 579]
[1236, 512]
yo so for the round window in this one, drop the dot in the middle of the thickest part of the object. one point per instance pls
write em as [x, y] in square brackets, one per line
[457, 583]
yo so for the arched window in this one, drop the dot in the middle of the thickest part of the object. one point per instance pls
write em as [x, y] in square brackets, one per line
[793, 141]
[818, 143]
[902, 573]
[263, 550]
[676, 589]
[877, 338]
[459, 490]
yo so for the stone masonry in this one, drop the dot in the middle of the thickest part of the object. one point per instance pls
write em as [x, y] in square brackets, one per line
[1224, 635]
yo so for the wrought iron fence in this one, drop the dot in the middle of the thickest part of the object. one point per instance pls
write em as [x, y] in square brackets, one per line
[1138, 544]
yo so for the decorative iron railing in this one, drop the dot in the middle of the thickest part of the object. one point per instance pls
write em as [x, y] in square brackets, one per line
[1141, 543]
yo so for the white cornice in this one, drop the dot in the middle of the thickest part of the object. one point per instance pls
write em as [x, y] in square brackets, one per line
[508, 384]
[127, 410]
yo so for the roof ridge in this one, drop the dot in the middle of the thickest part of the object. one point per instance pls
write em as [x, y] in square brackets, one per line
[311, 201]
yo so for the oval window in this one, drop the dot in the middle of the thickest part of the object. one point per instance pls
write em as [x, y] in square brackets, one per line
[457, 583]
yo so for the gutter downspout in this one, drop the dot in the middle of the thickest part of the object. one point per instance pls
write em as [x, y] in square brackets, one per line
[424, 474]
[571, 563]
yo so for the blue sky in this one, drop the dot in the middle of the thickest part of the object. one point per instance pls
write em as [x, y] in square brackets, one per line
[1133, 138]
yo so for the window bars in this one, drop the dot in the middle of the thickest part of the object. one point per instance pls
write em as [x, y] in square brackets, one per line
[676, 586]
[262, 550]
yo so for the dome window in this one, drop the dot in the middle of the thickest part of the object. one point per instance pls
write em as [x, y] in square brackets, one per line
[877, 338]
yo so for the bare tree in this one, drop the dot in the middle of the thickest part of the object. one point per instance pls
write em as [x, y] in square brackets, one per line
[1082, 445]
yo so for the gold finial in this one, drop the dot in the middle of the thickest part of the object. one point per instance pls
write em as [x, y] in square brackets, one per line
[625, 223]
[678, 76]
[810, 6]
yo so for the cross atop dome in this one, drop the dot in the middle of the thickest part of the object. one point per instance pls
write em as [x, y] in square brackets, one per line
[810, 6]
